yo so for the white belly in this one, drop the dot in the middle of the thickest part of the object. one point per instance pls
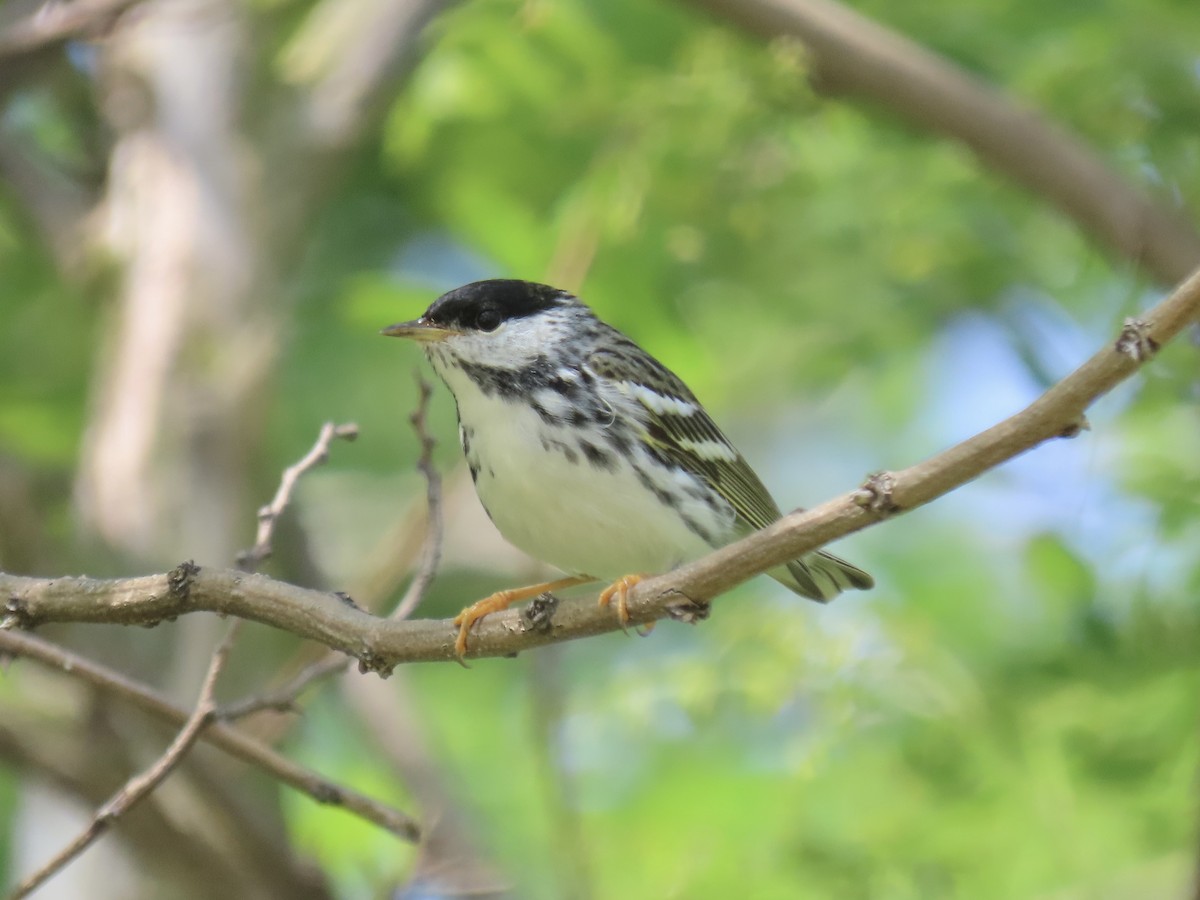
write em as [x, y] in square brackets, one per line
[580, 516]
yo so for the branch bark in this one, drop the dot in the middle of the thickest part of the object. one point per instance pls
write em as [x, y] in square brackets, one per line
[138, 787]
[233, 741]
[380, 644]
[851, 54]
[52, 24]
[268, 515]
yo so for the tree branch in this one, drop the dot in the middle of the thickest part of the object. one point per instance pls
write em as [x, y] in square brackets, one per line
[347, 57]
[56, 22]
[283, 698]
[431, 550]
[138, 787]
[234, 742]
[269, 515]
[852, 54]
[380, 644]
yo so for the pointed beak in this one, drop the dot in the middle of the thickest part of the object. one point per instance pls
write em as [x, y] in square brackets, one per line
[419, 330]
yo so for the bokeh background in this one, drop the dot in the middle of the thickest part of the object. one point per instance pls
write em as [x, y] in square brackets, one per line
[208, 209]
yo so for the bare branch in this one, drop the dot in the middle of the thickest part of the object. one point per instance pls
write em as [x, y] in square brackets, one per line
[431, 550]
[346, 59]
[56, 22]
[379, 644]
[268, 515]
[220, 735]
[283, 698]
[850, 53]
[138, 787]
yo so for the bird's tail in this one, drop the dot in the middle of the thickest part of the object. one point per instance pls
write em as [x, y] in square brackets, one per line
[821, 576]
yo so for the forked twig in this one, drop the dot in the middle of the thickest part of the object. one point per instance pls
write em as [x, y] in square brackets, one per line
[229, 739]
[283, 698]
[138, 787]
[269, 515]
[431, 550]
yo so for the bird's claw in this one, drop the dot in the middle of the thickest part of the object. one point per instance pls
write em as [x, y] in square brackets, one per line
[466, 619]
[620, 589]
[500, 600]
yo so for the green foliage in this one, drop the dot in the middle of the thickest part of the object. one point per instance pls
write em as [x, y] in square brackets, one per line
[1012, 712]
[354, 853]
[8, 806]
[45, 360]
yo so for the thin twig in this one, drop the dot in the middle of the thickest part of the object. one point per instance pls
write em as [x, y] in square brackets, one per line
[283, 698]
[849, 55]
[55, 22]
[332, 663]
[380, 645]
[138, 787]
[269, 515]
[431, 550]
[225, 737]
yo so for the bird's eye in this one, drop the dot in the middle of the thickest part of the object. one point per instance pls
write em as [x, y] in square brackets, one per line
[488, 320]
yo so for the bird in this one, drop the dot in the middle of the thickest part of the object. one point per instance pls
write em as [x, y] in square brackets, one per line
[587, 452]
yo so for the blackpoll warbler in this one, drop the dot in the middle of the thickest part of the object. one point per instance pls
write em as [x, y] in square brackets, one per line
[587, 452]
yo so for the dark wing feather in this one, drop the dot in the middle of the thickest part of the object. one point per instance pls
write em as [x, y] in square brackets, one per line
[684, 439]
[677, 427]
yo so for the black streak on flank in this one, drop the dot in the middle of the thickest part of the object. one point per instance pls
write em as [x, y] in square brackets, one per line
[696, 528]
[620, 441]
[597, 457]
[549, 443]
[666, 498]
[563, 386]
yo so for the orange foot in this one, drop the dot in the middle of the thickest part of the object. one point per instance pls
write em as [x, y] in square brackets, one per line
[466, 619]
[620, 588]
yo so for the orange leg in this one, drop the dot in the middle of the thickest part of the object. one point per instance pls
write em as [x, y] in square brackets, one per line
[620, 589]
[466, 619]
